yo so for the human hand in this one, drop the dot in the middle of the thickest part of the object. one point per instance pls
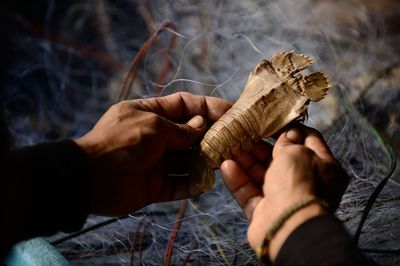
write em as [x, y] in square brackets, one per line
[137, 143]
[301, 165]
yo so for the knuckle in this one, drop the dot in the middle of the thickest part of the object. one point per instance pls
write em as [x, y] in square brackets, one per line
[300, 151]
[314, 132]
[115, 107]
[142, 102]
[154, 121]
[119, 105]
[122, 111]
[114, 113]
[119, 108]
[184, 94]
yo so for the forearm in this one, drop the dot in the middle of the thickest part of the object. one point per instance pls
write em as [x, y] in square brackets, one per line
[297, 219]
[44, 191]
[321, 240]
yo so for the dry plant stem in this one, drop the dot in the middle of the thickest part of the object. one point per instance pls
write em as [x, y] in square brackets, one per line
[144, 11]
[275, 94]
[131, 72]
[140, 247]
[132, 251]
[174, 233]
[148, 19]
[166, 64]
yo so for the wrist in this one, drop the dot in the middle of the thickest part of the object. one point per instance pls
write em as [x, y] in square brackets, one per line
[85, 145]
[294, 221]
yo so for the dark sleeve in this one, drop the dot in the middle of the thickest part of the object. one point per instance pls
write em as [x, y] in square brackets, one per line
[44, 189]
[320, 241]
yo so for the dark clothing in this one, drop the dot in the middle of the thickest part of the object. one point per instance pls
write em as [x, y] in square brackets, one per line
[44, 189]
[320, 241]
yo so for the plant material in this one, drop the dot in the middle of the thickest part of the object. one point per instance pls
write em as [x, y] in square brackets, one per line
[130, 74]
[174, 233]
[275, 94]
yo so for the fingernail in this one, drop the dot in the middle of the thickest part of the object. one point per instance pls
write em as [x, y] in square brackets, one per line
[294, 134]
[196, 122]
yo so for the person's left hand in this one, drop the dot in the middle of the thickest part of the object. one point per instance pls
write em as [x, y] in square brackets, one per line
[268, 181]
[137, 143]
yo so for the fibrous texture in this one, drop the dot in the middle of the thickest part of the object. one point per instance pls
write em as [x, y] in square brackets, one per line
[276, 93]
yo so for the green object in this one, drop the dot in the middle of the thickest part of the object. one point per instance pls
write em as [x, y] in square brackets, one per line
[35, 252]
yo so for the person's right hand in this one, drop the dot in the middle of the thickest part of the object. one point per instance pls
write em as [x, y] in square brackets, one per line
[139, 150]
[301, 165]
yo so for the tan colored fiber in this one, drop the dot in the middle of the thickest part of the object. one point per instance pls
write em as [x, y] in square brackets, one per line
[275, 94]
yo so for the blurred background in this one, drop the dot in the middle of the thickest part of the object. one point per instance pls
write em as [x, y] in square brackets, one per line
[66, 62]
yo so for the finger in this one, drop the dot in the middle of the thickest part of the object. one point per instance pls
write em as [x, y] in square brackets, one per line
[245, 192]
[255, 162]
[291, 137]
[181, 106]
[332, 185]
[293, 124]
[252, 167]
[315, 141]
[245, 160]
[185, 187]
[181, 136]
[180, 162]
[176, 187]
[262, 151]
[153, 185]
[257, 173]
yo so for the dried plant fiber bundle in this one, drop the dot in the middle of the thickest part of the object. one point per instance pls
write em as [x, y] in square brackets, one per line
[276, 93]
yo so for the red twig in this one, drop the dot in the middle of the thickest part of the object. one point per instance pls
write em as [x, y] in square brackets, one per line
[129, 77]
[139, 235]
[148, 19]
[140, 244]
[132, 251]
[174, 233]
[166, 63]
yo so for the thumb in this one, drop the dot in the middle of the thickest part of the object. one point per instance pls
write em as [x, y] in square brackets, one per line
[290, 137]
[197, 122]
[182, 136]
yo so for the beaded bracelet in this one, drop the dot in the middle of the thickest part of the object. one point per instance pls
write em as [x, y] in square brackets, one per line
[262, 251]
